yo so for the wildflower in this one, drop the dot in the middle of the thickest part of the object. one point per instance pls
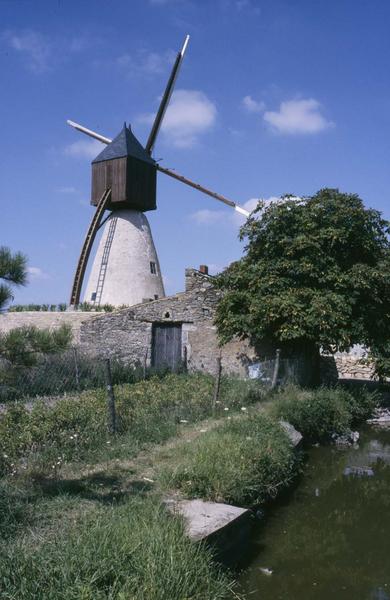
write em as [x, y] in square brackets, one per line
[243, 408]
[183, 421]
[226, 408]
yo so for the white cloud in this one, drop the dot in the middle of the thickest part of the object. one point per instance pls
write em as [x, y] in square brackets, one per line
[190, 114]
[253, 106]
[231, 217]
[36, 273]
[84, 149]
[298, 117]
[146, 62]
[33, 46]
[209, 217]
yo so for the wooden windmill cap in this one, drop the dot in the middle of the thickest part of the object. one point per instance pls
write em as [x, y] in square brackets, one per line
[125, 144]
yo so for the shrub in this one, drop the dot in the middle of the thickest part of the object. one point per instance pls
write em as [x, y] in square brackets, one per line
[245, 461]
[134, 550]
[319, 413]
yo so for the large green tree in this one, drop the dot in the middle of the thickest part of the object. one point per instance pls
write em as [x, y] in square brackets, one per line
[315, 274]
[12, 272]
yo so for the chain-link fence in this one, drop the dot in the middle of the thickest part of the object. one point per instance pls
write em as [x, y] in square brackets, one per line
[73, 371]
[65, 372]
[276, 371]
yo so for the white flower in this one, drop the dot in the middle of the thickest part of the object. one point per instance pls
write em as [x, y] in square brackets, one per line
[243, 408]
[226, 408]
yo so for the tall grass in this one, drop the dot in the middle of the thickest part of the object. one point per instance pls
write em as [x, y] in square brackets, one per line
[75, 427]
[133, 551]
[246, 461]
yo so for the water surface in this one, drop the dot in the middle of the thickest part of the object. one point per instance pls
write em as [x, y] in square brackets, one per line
[330, 539]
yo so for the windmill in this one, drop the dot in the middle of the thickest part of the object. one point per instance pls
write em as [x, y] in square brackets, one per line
[126, 269]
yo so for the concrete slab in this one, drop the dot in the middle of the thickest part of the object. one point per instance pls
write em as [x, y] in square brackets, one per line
[205, 519]
[227, 529]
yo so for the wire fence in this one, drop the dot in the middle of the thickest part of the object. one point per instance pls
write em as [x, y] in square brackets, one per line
[74, 371]
[62, 373]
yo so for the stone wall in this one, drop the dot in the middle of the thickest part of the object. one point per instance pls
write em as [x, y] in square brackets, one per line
[44, 320]
[127, 333]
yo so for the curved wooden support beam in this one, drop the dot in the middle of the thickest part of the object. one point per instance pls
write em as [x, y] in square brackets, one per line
[87, 247]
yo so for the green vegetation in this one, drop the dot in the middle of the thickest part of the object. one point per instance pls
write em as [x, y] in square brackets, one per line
[315, 274]
[245, 461]
[148, 412]
[80, 509]
[12, 272]
[76, 519]
[133, 550]
[23, 346]
[319, 413]
[62, 307]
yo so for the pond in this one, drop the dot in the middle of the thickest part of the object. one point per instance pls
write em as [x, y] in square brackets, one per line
[331, 537]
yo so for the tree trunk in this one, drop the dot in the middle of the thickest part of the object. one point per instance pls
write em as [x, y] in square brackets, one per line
[309, 366]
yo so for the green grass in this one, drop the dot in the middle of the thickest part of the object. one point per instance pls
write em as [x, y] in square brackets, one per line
[319, 413]
[79, 521]
[131, 551]
[245, 461]
[75, 428]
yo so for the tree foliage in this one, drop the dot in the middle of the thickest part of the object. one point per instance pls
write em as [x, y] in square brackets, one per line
[315, 273]
[12, 272]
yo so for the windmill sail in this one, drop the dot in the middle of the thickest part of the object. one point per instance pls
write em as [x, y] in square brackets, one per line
[166, 98]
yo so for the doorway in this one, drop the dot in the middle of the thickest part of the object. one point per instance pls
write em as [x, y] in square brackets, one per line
[166, 346]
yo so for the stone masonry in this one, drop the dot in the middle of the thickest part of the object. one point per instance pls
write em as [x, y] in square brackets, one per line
[127, 333]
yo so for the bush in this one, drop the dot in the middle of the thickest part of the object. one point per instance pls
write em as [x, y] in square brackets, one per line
[131, 551]
[245, 461]
[319, 413]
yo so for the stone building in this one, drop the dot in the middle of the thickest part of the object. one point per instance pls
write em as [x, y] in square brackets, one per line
[169, 331]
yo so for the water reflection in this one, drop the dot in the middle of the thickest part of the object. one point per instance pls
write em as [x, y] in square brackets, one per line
[332, 536]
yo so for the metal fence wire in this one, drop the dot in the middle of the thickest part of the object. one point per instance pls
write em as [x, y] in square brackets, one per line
[276, 371]
[58, 374]
[74, 371]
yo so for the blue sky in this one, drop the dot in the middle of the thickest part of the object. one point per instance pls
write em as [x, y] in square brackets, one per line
[273, 97]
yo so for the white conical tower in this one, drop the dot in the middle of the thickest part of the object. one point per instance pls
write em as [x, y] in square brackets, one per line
[126, 269]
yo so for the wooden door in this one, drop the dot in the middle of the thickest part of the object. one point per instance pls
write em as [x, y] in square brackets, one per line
[166, 346]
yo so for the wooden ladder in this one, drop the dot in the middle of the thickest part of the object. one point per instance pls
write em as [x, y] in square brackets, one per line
[104, 263]
[86, 249]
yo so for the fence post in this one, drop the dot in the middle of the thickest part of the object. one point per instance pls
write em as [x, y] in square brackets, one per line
[145, 362]
[217, 384]
[110, 399]
[276, 370]
[76, 367]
